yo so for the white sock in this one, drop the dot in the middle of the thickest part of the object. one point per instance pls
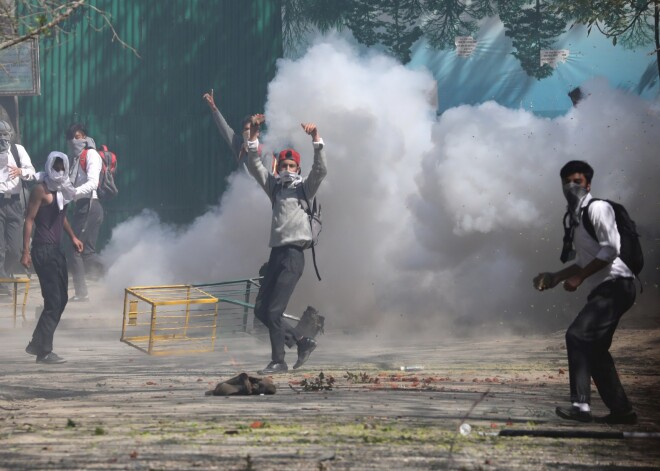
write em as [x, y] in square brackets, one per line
[583, 406]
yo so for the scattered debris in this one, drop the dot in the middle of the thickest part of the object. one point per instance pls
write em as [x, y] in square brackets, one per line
[320, 383]
[465, 429]
[243, 385]
[70, 423]
[361, 378]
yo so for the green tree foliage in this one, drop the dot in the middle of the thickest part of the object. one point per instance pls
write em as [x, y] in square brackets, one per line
[531, 27]
[632, 23]
[443, 20]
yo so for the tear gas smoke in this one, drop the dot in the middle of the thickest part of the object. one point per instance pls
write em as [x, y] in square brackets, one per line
[425, 219]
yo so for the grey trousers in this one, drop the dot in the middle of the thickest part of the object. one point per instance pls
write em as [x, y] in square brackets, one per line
[11, 234]
[86, 222]
[285, 267]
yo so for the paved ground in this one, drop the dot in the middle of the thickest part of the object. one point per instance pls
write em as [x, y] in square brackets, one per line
[113, 407]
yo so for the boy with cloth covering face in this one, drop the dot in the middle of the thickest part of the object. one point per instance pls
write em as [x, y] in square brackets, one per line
[15, 168]
[290, 234]
[589, 337]
[88, 211]
[47, 210]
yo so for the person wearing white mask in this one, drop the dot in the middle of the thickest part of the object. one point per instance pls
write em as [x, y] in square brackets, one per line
[85, 167]
[47, 215]
[290, 234]
[598, 264]
[15, 167]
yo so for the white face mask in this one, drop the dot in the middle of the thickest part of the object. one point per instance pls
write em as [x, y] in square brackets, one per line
[76, 146]
[289, 178]
[574, 195]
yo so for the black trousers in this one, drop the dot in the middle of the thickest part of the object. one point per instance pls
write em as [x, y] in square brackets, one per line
[86, 223]
[11, 234]
[50, 264]
[285, 267]
[588, 340]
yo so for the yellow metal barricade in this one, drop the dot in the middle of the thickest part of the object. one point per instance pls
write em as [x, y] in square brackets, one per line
[10, 303]
[169, 320]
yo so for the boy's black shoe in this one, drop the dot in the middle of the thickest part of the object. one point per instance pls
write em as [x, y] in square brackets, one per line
[574, 413]
[306, 346]
[274, 368]
[51, 358]
[626, 418]
[31, 349]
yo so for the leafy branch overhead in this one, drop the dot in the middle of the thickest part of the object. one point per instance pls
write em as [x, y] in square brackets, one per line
[22, 20]
[396, 25]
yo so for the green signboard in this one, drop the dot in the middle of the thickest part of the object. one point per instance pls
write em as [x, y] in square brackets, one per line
[19, 69]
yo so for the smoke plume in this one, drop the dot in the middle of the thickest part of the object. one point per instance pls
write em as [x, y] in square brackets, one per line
[429, 223]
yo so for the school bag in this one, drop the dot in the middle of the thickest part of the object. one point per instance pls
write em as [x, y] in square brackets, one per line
[631, 249]
[313, 212]
[107, 188]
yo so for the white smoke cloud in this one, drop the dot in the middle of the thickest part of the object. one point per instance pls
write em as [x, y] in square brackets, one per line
[424, 218]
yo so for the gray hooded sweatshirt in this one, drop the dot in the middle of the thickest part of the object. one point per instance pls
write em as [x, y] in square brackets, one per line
[290, 223]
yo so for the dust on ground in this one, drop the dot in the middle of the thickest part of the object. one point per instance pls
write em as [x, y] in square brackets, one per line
[112, 407]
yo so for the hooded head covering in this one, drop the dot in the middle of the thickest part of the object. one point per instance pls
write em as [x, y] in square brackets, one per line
[59, 181]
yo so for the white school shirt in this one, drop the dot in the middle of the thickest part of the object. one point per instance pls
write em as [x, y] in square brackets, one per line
[87, 179]
[607, 246]
[12, 186]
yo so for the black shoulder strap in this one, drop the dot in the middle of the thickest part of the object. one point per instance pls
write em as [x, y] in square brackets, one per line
[17, 159]
[586, 220]
[17, 156]
[310, 214]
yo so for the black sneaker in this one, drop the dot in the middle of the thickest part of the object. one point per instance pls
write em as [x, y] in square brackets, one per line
[574, 413]
[79, 299]
[306, 346]
[274, 368]
[618, 418]
[51, 358]
[31, 349]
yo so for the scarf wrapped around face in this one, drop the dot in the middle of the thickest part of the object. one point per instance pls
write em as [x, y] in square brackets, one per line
[289, 178]
[59, 181]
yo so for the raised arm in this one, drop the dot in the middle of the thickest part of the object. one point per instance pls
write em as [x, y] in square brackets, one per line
[254, 164]
[319, 169]
[225, 130]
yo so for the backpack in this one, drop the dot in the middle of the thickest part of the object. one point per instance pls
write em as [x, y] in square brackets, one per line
[631, 249]
[313, 212]
[107, 188]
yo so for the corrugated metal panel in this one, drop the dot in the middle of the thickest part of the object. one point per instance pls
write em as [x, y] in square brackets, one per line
[149, 110]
